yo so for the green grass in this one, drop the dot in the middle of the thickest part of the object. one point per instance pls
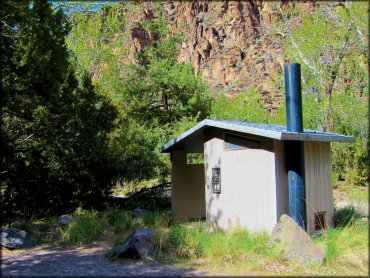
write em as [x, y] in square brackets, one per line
[346, 249]
[89, 226]
[86, 228]
[238, 251]
[194, 242]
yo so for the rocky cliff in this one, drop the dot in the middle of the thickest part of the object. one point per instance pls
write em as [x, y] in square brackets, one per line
[224, 41]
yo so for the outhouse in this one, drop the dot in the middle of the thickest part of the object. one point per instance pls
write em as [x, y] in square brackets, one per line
[245, 178]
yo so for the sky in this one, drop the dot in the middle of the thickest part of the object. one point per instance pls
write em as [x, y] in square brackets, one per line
[71, 6]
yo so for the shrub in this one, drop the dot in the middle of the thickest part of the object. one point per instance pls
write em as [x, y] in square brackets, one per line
[246, 106]
[345, 216]
[346, 249]
[122, 221]
[86, 228]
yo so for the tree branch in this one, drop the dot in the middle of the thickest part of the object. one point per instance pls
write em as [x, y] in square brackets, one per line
[296, 45]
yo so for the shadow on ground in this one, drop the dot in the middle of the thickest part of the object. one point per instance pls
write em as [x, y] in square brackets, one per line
[81, 261]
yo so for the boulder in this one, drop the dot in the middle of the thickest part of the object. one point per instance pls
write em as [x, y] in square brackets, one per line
[135, 246]
[138, 213]
[65, 219]
[297, 244]
[12, 238]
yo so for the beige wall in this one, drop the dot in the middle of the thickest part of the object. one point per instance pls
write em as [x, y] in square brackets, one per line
[318, 182]
[248, 188]
[188, 196]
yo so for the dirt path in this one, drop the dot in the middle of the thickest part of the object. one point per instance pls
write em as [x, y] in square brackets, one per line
[81, 261]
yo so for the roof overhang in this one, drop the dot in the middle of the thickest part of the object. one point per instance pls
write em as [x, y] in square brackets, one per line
[193, 139]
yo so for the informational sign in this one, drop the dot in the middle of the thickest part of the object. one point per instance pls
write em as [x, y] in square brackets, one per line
[216, 180]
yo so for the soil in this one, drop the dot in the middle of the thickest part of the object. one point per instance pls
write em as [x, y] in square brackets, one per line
[80, 261]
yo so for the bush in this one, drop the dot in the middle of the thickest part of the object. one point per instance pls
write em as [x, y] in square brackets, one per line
[345, 216]
[346, 249]
[122, 221]
[86, 228]
[247, 106]
[89, 226]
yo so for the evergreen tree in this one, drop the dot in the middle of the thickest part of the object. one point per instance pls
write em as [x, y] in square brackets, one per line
[53, 132]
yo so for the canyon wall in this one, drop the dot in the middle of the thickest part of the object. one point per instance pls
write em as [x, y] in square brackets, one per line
[224, 41]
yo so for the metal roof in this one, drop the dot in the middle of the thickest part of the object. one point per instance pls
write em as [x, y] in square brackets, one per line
[193, 139]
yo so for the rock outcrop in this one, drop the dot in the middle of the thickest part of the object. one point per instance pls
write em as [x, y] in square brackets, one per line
[223, 40]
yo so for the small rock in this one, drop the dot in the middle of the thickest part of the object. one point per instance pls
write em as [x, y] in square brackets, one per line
[65, 219]
[138, 213]
[297, 244]
[135, 246]
[12, 238]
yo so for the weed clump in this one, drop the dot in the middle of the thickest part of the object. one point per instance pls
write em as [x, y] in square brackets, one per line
[346, 248]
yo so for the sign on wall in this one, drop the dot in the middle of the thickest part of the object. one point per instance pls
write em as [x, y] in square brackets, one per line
[216, 180]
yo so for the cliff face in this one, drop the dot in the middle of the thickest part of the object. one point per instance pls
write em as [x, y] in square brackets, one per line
[224, 41]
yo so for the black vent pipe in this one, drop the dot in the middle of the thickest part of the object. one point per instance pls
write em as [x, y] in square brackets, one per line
[294, 149]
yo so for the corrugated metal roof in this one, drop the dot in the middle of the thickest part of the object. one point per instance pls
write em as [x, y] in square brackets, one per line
[193, 139]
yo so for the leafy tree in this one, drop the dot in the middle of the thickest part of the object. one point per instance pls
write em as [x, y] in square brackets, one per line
[330, 42]
[247, 106]
[153, 93]
[53, 131]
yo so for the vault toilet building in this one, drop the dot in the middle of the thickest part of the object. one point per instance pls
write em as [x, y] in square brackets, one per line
[254, 172]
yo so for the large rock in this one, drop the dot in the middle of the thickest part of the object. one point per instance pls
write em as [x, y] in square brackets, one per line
[12, 238]
[135, 246]
[297, 244]
[65, 219]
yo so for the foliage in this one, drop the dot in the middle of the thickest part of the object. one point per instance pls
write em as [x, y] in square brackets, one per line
[193, 241]
[121, 221]
[86, 228]
[153, 94]
[53, 132]
[329, 41]
[246, 106]
[345, 216]
[91, 225]
[97, 41]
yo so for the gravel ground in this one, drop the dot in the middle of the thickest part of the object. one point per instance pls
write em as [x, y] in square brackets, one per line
[49, 261]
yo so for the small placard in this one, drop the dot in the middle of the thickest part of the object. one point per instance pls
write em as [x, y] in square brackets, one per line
[216, 180]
